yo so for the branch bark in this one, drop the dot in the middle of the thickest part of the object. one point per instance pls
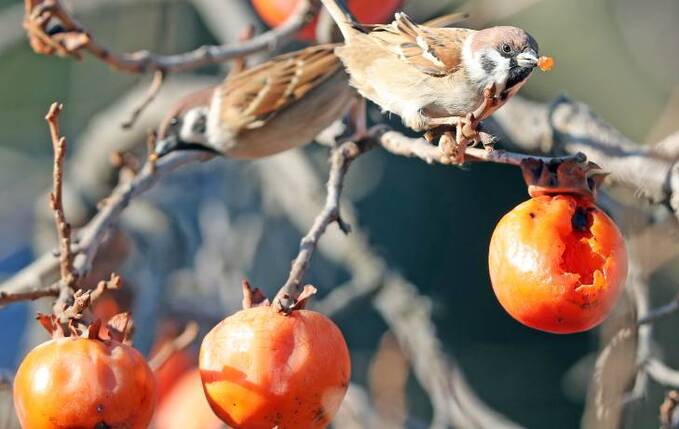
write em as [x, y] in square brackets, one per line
[74, 39]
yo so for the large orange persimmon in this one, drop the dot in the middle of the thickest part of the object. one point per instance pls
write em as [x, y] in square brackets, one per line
[275, 12]
[185, 406]
[263, 369]
[557, 263]
[75, 382]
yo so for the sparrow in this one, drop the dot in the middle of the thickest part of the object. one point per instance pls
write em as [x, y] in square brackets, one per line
[278, 105]
[433, 77]
[272, 107]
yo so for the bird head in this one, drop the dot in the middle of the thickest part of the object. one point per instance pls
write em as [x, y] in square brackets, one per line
[505, 56]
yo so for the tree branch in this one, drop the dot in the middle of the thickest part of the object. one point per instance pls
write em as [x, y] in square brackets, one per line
[93, 234]
[73, 39]
[340, 159]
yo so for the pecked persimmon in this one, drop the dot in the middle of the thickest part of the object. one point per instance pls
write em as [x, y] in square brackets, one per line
[275, 12]
[262, 369]
[557, 263]
[75, 382]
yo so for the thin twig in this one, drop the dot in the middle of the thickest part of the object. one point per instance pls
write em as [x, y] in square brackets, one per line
[399, 144]
[93, 234]
[340, 159]
[74, 39]
[180, 342]
[154, 89]
[660, 312]
[69, 278]
[8, 298]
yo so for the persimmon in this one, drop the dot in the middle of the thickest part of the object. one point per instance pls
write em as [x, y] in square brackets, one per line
[263, 369]
[75, 382]
[275, 12]
[557, 263]
[176, 365]
[185, 406]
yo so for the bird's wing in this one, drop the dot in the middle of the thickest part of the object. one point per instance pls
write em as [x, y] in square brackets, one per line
[434, 51]
[251, 98]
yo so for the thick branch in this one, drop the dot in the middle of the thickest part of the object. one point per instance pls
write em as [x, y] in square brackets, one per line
[569, 126]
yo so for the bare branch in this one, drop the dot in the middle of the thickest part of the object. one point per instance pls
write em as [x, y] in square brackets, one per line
[56, 201]
[340, 159]
[660, 312]
[569, 126]
[74, 39]
[93, 234]
[154, 89]
[662, 374]
[180, 342]
[29, 295]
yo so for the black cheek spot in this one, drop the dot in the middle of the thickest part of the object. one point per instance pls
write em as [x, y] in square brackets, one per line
[487, 64]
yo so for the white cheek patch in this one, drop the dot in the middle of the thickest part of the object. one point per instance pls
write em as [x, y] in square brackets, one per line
[501, 72]
[187, 131]
[475, 69]
[218, 136]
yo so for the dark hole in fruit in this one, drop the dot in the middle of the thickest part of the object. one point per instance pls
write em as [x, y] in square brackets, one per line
[532, 215]
[580, 221]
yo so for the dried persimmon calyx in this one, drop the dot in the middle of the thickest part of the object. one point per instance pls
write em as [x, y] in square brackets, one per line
[571, 175]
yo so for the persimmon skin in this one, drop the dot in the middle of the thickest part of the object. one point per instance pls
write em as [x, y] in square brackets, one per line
[262, 369]
[275, 12]
[76, 382]
[185, 406]
[557, 263]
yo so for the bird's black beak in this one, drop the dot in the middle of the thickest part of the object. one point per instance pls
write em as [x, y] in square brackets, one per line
[167, 145]
[528, 59]
[172, 143]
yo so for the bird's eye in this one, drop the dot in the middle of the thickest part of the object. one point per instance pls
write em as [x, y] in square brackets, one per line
[506, 48]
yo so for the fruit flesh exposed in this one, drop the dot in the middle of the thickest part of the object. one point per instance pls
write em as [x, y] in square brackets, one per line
[76, 382]
[262, 369]
[557, 263]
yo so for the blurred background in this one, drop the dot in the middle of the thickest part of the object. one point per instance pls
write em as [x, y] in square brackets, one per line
[185, 246]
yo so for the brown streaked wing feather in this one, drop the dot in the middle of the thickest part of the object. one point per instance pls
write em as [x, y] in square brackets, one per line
[435, 51]
[253, 97]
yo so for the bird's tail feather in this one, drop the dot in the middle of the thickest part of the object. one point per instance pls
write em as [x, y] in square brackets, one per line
[342, 17]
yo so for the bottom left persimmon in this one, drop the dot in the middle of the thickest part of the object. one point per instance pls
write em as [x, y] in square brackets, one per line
[75, 382]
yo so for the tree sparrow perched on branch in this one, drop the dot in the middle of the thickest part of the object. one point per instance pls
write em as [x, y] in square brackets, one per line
[275, 106]
[434, 77]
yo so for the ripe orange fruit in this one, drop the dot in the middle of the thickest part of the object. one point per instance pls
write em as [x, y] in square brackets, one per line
[185, 406]
[557, 263]
[275, 12]
[261, 369]
[75, 382]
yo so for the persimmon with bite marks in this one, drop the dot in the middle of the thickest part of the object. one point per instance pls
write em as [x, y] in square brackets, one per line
[557, 263]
